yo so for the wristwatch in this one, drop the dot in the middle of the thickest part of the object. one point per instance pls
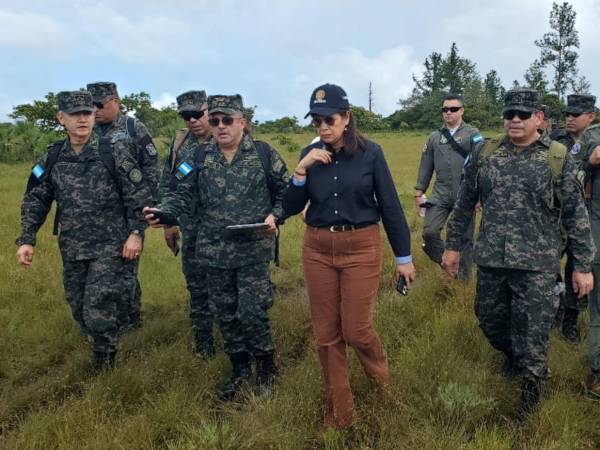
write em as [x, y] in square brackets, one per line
[136, 232]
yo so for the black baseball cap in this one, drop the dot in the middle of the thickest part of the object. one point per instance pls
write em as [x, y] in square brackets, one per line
[327, 100]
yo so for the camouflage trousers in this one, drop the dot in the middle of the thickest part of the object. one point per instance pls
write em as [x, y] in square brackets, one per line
[97, 291]
[594, 334]
[201, 313]
[433, 245]
[242, 298]
[516, 309]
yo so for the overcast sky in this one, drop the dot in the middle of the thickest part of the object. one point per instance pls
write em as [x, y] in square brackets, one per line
[272, 52]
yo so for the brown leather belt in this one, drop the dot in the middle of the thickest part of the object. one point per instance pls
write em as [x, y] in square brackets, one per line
[347, 227]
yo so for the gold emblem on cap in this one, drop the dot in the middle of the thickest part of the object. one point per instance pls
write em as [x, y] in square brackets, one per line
[320, 95]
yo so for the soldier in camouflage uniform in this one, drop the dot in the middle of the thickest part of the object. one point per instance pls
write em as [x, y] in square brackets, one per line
[518, 247]
[233, 187]
[99, 203]
[590, 148]
[580, 113]
[116, 126]
[446, 159]
[193, 109]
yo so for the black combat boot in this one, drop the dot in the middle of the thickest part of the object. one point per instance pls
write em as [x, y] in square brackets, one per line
[530, 397]
[266, 373]
[569, 326]
[204, 346]
[104, 360]
[241, 371]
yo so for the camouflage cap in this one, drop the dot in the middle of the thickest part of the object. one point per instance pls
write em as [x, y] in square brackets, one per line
[191, 101]
[527, 100]
[226, 104]
[72, 102]
[546, 110]
[101, 90]
[579, 103]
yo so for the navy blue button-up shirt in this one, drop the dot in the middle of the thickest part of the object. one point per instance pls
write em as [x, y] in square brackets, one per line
[353, 189]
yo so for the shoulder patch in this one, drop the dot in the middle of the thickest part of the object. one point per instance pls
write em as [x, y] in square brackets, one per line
[151, 149]
[183, 170]
[476, 138]
[38, 171]
[576, 148]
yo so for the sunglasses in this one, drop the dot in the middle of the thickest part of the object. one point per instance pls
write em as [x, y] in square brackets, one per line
[523, 115]
[446, 109]
[318, 121]
[99, 105]
[572, 114]
[215, 121]
[189, 115]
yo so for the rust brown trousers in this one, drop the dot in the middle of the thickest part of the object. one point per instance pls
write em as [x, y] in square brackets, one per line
[342, 272]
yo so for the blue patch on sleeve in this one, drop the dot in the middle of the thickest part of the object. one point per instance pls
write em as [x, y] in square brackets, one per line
[477, 138]
[38, 171]
[184, 168]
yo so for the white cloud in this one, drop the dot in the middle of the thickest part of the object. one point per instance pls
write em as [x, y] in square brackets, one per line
[163, 100]
[31, 31]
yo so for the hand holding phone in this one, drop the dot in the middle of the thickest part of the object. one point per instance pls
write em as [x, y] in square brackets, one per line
[401, 286]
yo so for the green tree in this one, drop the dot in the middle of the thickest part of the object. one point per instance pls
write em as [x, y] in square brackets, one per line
[367, 120]
[457, 71]
[557, 47]
[41, 113]
[535, 78]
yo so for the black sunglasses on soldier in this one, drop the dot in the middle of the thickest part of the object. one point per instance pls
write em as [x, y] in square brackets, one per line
[189, 115]
[99, 105]
[215, 121]
[523, 115]
[572, 114]
[453, 109]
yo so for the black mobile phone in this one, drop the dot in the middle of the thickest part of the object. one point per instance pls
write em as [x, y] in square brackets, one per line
[165, 218]
[401, 286]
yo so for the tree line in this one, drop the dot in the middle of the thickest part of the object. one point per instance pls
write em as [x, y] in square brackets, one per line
[554, 73]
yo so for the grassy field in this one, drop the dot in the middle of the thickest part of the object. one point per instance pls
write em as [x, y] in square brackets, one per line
[448, 393]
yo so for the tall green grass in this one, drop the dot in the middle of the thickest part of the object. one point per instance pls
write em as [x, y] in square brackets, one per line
[446, 392]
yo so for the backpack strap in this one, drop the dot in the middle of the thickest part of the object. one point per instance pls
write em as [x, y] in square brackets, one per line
[108, 159]
[180, 137]
[53, 152]
[131, 127]
[557, 154]
[264, 153]
[455, 145]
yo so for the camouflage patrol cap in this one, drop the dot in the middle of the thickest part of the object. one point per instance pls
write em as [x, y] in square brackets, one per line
[101, 90]
[527, 100]
[579, 103]
[191, 101]
[546, 110]
[226, 104]
[72, 102]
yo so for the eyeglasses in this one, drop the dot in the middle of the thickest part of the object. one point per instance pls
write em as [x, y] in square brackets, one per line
[189, 115]
[215, 121]
[318, 121]
[453, 109]
[572, 114]
[99, 105]
[523, 115]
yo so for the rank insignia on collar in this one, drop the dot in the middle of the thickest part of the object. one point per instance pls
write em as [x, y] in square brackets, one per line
[183, 170]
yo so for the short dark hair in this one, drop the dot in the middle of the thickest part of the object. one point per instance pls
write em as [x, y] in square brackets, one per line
[451, 96]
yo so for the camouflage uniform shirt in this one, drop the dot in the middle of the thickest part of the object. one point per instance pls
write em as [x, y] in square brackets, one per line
[140, 145]
[231, 193]
[520, 225]
[95, 215]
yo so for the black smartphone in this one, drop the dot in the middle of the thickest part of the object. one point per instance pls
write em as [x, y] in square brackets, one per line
[401, 286]
[164, 218]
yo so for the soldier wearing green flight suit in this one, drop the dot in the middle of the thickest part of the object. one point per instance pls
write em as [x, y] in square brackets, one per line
[444, 154]
[111, 123]
[579, 115]
[193, 109]
[235, 181]
[100, 191]
[529, 188]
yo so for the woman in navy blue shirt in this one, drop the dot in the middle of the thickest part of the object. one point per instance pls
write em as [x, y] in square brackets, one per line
[346, 182]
